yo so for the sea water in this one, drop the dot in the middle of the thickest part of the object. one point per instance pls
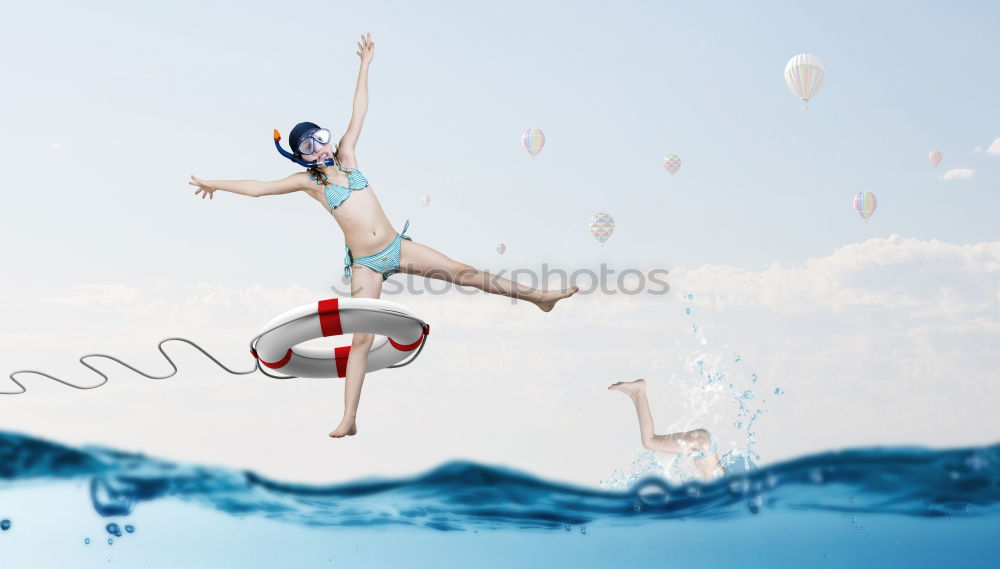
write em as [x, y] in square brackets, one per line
[877, 507]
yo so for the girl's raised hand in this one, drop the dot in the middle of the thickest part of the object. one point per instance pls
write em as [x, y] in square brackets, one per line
[366, 48]
[202, 187]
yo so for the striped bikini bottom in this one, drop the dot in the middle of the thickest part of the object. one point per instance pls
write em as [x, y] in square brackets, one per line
[385, 262]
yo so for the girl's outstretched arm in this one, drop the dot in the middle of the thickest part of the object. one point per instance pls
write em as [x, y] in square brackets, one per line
[252, 188]
[345, 149]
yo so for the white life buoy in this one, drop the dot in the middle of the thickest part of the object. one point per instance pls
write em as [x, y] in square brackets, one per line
[398, 332]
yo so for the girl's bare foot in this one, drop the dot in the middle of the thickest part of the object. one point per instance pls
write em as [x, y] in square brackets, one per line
[346, 428]
[629, 388]
[549, 298]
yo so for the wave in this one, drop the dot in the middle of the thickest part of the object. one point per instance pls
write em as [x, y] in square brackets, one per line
[905, 481]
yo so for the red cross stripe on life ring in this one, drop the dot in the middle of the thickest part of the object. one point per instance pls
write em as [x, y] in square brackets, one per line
[398, 332]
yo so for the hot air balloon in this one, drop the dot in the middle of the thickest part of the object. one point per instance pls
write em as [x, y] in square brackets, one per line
[425, 199]
[864, 204]
[533, 140]
[935, 157]
[672, 163]
[602, 225]
[501, 248]
[804, 76]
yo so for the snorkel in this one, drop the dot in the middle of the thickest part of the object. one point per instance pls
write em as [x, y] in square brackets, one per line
[297, 159]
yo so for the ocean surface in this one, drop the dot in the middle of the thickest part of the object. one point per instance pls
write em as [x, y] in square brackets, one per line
[880, 507]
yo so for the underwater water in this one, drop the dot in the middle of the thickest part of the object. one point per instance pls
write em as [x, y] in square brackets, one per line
[884, 507]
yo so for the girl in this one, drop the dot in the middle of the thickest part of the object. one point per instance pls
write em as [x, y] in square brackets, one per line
[699, 443]
[374, 249]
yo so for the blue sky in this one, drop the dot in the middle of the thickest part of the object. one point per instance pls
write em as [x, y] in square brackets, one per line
[110, 108]
[194, 88]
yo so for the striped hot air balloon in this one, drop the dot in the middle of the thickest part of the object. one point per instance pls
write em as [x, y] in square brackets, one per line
[672, 163]
[533, 140]
[864, 204]
[602, 225]
[804, 76]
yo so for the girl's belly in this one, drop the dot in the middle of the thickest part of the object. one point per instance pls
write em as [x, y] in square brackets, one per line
[366, 228]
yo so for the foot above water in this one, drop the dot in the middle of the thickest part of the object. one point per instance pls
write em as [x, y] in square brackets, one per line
[629, 387]
[345, 429]
[550, 298]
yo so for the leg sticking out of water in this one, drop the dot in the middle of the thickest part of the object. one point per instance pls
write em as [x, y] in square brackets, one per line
[697, 442]
[419, 259]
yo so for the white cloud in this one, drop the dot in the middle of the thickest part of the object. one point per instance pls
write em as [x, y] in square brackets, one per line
[958, 174]
[860, 274]
[978, 149]
[55, 146]
[994, 147]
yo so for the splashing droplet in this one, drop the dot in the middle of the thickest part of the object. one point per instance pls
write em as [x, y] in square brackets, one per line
[130, 528]
[778, 391]
[738, 487]
[114, 530]
[5, 525]
[86, 541]
[653, 493]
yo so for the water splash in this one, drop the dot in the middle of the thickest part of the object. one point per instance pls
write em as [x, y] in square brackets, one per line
[721, 379]
[643, 464]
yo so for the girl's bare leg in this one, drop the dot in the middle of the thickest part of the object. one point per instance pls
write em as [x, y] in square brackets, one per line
[690, 442]
[419, 259]
[365, 283]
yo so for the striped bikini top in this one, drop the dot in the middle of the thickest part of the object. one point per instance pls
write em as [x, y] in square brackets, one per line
[336, 194]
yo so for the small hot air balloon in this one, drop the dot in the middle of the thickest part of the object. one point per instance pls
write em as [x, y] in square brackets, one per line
[425, 199]
[804, 76]
[501, 248]
[672, 163]
[533, 140]
[935, 157]
[864, 204]
[602, 225]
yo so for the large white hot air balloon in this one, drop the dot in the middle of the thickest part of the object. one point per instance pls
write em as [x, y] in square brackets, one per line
[804, 76]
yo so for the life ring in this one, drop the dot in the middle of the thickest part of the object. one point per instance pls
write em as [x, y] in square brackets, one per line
[398, 332]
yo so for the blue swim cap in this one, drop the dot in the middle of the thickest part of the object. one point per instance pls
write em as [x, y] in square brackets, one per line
[298, 133]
